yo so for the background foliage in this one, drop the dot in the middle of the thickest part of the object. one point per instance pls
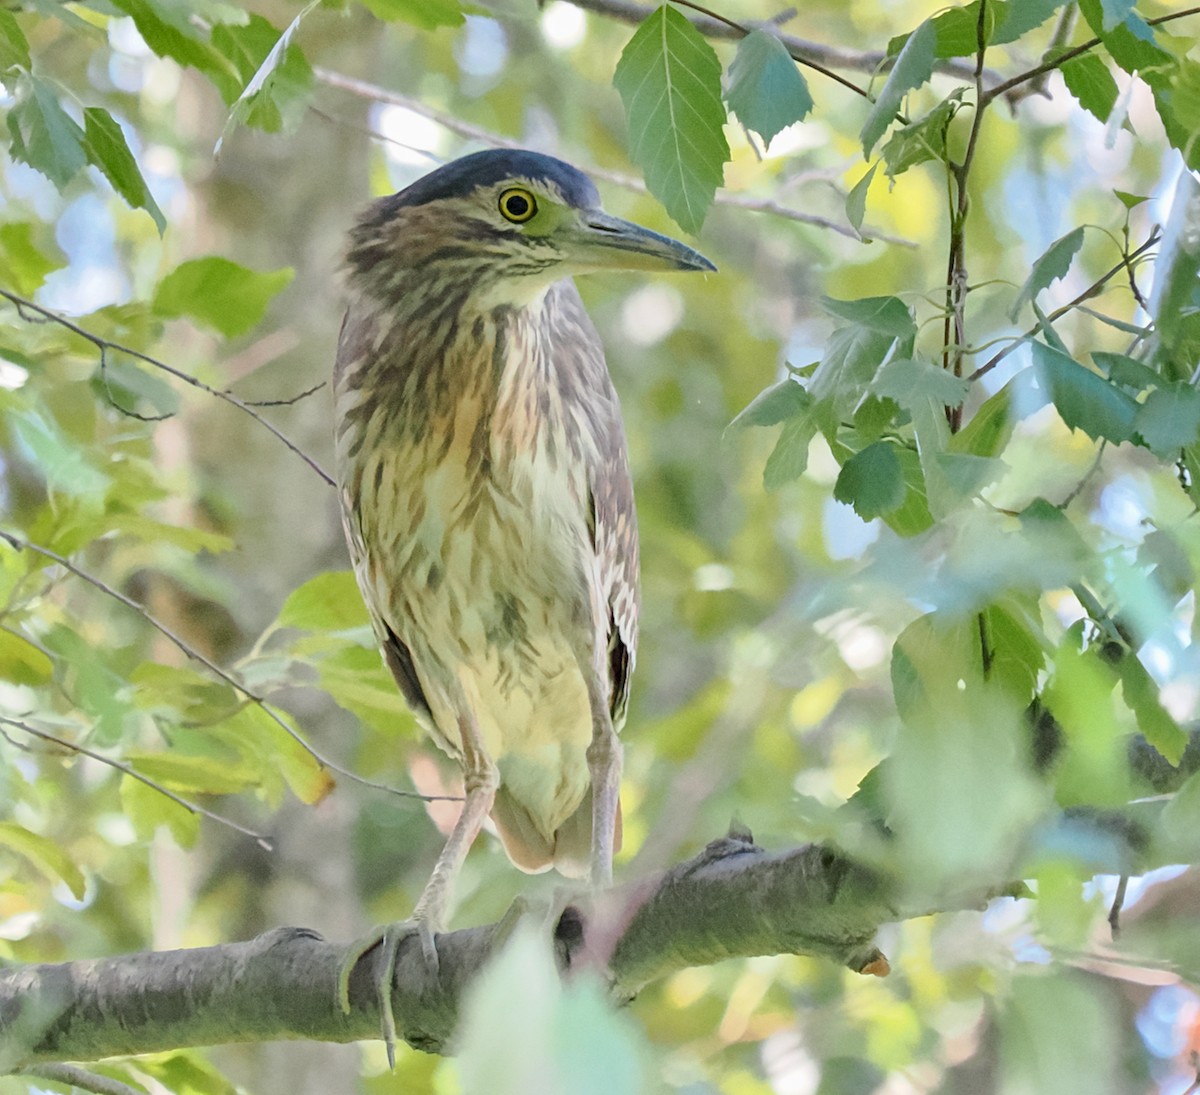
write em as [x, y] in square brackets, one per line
[956, 330]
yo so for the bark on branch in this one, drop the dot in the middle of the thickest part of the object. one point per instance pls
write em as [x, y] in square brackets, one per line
[733, 900]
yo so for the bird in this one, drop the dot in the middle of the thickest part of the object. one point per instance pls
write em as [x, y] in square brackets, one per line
[488, 506]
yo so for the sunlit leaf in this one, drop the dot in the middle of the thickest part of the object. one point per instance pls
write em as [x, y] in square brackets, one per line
[14, 47]
[913, 67]
[45, 136]
[170, 32]
[276, 95]
[766, 90]
[330, 601]
[220, 293]
[147, 809]
[669, 79]
[990, 427]
[426, 14]
[21, 661]
[191, 775]
[1141, 696]
[1089, 80]
[23, 261]
[47, 855]
[106, 148]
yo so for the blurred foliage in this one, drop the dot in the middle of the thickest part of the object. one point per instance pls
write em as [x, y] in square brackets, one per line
[961, 478]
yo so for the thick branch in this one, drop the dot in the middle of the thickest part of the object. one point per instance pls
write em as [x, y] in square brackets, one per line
[733, 900]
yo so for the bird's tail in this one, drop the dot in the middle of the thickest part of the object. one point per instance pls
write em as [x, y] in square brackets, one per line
[567, 850]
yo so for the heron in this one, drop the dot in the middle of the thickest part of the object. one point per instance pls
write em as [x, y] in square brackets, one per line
[488, 506]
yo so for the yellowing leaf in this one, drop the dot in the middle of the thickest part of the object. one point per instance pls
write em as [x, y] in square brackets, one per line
[47, 856]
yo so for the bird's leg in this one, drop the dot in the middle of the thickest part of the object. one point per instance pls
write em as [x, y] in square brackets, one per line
[604, 765]
[480, 780]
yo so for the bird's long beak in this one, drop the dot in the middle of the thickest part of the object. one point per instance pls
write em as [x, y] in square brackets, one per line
[608, 242]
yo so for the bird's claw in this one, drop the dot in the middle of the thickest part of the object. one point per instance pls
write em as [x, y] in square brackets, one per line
[388, 938]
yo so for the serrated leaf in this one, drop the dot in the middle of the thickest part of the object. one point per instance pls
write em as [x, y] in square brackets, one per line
[21, 662]
[907, 381]
[330, 601]
[1169, 420]
[276, 95]
[913, 67]
[766, 89]
[45, 136]
[669, 79]
[1175, 274]
[1089, 80]
[1047, 268]
[1115, 12]
[856, 200]
[169, 31]
[772, 405]
[1126, 371]
[14, 47]
[789, 458]
[871, 481]
[921, 141]
[887, 315]
[46, 855]
[106, 148]
[1084, 400]
[220, 293]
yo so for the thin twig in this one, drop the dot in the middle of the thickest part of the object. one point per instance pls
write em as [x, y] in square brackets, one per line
[133, 773]
[1090, 291]
[286, 402]
[103, 345]
[1076, 51]
[453, 124]
[221, 674]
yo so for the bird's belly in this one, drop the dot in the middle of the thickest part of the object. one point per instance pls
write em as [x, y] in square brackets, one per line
[489, 589]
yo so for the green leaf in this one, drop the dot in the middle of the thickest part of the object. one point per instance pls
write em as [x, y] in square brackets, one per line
[14, 47]
[1126, 371]
[168, 29]
[1142, 698]
[669, 79]
[328, 602]
[887, 315]
[525, 1030]
[25, 266]
[913, 67]
[1084, 400]
[122, 382]
[426, 14]
[1089, 80]
[773, 405]
[789, 458]
[63, 463]
[147, 809]
[856, 200]
[46, 855]
[45, 136]
[766, 90]
[913, 516]
[252, 731]
[1049, 267]
[908, 381]
[922, 140]
[193, 775]
[106, 148]
[1130, 201]
[871, 481]
[1169, 420]
[990, 428]
[276, 95]
[1045, 1018]
[220, 293]
[1176, 285]
[21, 662]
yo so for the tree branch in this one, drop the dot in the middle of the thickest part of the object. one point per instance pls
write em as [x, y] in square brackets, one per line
[733, 900]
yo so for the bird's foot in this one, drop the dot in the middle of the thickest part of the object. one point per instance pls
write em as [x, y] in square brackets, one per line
[388, 938]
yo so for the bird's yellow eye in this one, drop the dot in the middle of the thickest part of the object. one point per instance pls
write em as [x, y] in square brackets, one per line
[517, 205]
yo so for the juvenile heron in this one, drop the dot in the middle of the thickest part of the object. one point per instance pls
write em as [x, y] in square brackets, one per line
[487, 501]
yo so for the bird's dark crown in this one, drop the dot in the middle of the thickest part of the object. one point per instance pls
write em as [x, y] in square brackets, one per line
[461, 177]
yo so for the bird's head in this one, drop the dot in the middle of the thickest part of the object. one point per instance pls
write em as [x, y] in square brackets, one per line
[506, 223]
